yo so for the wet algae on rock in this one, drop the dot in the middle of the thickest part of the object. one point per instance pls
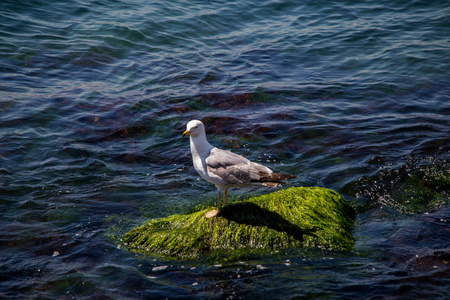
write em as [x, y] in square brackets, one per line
[294, 217]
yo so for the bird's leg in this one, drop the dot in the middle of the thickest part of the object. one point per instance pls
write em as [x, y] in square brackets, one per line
[214, 212]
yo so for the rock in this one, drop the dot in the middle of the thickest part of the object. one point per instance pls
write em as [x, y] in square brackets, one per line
[294, 217]
[421, 185]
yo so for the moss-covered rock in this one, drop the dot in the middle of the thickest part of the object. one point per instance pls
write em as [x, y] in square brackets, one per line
[421, 185]
[295, 217]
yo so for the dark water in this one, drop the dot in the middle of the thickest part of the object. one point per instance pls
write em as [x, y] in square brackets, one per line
[94, 96]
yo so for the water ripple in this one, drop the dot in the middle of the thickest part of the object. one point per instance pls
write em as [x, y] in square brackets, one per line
[94, 96]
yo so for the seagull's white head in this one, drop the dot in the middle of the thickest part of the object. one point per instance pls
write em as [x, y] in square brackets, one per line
[194, 128]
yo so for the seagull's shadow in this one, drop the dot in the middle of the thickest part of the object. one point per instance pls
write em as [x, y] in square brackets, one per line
[251, 214]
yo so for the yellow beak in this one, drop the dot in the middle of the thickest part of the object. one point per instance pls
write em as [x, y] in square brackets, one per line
[187, 132]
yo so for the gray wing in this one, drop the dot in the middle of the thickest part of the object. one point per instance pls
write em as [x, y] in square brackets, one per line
[233, 168]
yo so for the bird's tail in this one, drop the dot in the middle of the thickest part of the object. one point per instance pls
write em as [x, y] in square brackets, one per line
[274, 179]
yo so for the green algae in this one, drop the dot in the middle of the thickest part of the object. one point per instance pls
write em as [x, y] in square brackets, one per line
[421, 185]
[295, 217]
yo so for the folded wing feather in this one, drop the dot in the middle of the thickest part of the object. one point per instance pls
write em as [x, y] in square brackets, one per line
[236, 169]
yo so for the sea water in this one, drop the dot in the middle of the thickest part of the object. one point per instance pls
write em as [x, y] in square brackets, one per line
[94, 97]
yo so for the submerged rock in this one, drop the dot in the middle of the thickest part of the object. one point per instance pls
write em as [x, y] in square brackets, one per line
[421, 185]
[295, 217]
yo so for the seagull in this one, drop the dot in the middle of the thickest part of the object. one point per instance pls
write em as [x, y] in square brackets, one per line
[226, 169]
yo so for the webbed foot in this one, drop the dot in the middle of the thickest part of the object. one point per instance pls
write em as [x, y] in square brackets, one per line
[212, 213]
